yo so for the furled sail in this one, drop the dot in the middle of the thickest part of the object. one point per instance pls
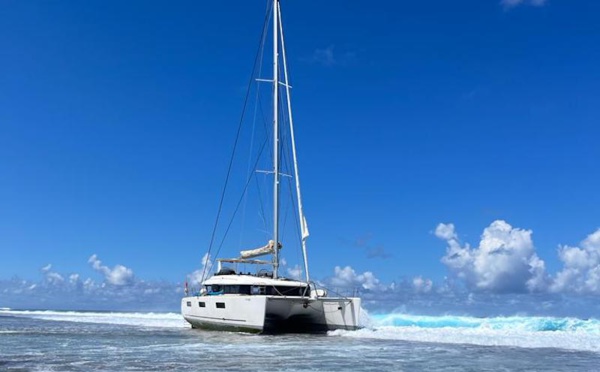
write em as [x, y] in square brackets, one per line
[267, 249]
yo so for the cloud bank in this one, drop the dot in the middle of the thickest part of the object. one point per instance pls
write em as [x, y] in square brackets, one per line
[501, 275]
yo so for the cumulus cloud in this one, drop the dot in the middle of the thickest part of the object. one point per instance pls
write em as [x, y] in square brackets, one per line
[295, 272]
[69, 291]
[581, 271]
[118, 275]
[198, 276]
[513, 3]
[422, 285]
[348, 278]
[445, 231]
[504, 261]
[292, 272]
[51, 277]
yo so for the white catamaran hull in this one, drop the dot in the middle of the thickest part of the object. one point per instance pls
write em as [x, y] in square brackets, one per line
[271, 314]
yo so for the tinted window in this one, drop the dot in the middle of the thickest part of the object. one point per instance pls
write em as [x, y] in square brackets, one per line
[287, 291]
[220, 305]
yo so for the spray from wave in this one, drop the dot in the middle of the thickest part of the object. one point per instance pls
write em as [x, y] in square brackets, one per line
[161, 320]
[516, 331]
[523, 323]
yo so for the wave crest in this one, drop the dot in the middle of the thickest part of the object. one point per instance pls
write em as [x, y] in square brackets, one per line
[162, 320]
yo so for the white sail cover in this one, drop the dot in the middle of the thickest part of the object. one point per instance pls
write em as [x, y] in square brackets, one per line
[304, 226]
[267, 249]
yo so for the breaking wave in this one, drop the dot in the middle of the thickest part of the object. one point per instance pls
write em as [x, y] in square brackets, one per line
[515, 331]
[162, 320]
[533, 324]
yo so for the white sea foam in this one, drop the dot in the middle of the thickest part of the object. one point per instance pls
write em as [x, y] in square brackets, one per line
[525, 332]
[518, 331]
[163, 320]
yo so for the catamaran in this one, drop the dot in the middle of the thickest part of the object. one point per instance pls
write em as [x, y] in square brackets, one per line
[265, 301]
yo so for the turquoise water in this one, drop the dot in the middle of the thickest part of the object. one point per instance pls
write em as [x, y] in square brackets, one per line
[100, 341]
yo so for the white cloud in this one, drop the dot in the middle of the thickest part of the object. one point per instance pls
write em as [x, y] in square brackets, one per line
[52, 278]
[504, 261]
[198, 276]
[581, 271]
[445, 231]
[325, 56]
[295, 272]
[421, 285]
[513, 3]
[68, 291]
[333, 56]
[347, 278]
[118, 275]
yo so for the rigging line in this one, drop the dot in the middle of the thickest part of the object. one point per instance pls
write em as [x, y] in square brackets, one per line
[254, 118]
[285, 156]
[291, 193]
[268, 135]
[268, 139]
[265, 125]
[237, 137]
[286, 160]
[296, 217]
[335, 292]
[261, 204]
[240, 200]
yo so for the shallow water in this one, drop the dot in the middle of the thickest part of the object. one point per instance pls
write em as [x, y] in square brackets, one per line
[93, 341]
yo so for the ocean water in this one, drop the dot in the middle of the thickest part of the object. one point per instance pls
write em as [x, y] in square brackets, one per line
[102, 341]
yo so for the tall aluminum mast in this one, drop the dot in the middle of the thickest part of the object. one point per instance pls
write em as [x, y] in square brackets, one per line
[286, 83]
[275, 138]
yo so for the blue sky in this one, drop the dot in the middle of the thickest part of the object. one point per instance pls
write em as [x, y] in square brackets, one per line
[117, 121]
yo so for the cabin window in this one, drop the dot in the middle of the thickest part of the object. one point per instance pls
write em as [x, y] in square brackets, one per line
[189, 303]
[220, 305]
[202, 304]
[236, 289]
[214, 289]
[287, 291]
[233, 289]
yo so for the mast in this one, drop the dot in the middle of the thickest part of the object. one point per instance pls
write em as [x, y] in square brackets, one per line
[286, 83]
[275, 139]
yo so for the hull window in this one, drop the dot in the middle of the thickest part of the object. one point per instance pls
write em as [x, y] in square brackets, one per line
[220, 305]
[189, 303]
[202, 304]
